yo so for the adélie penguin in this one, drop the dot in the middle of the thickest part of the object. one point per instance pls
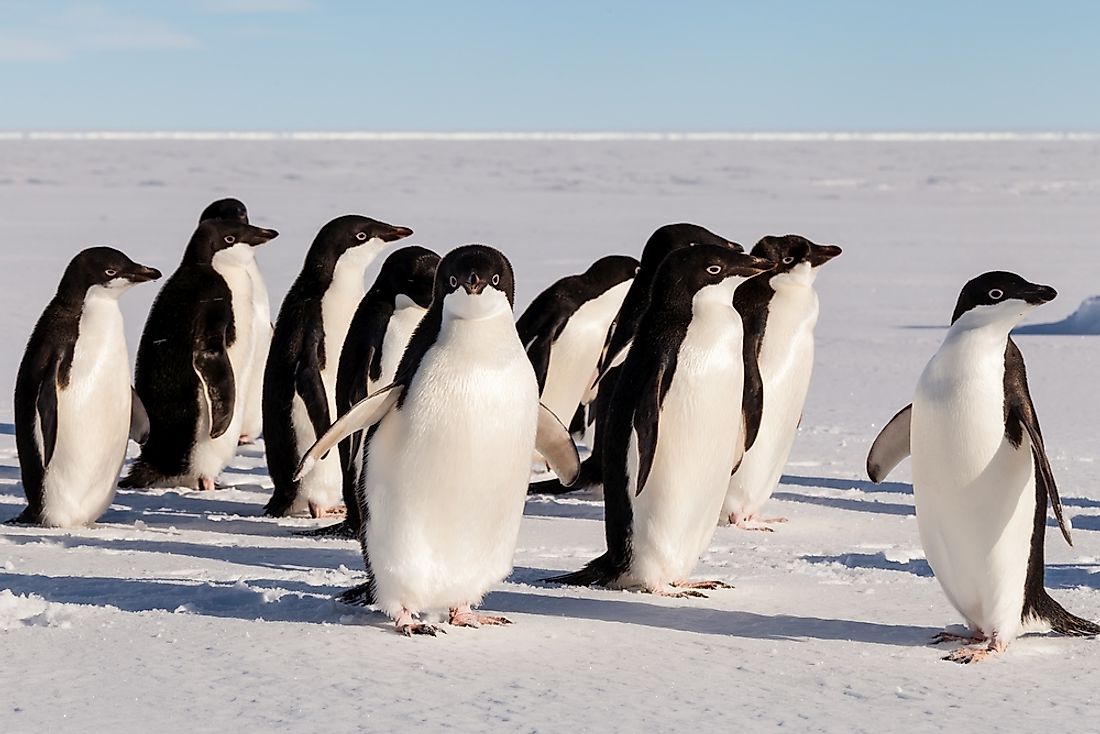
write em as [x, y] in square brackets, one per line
[664, 240]
[250, 405]
[194, 358]
[300, 378]
[675, 427]
[379, 333]
[779, 310]
[445, 470]
[981, 476]
[564, 327]
[74, 407]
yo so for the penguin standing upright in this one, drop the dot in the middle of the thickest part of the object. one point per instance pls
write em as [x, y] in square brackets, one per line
[671, 438]
[379, 333]
[194, 357]
[252, 418]
[981, 476]
[779, 310]
[446, 466]
[664, 240]
[74, 406]
[564, 328]
[300, 378]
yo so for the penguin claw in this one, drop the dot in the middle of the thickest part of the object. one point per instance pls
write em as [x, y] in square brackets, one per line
[708, 584]
[967, 655]
[680, 594]
[419, 628]
[466, 617]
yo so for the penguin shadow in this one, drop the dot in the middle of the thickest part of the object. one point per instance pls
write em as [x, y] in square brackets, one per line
[625, 607]
[842, 503]
[7, 429]
[863, 485]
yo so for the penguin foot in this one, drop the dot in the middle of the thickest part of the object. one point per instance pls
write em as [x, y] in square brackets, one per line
[318, 511]
[467, 617]
[967, 655]
[206, 484]
[967, 639]
[678, 594]
[245, 439]
[406, 624]
[708, 584]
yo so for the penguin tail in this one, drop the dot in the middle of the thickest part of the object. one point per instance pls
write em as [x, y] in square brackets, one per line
[340, 531]
[1060, 620]
[600, 571]
[141, 475]
[590, 476]
[358, 596]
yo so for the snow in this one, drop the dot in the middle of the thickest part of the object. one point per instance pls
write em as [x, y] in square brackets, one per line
[181, 606]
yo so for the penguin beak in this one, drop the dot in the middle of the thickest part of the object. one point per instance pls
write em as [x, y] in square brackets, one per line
[474, 283]
[759, 264]
[395, 233]
[735, 246]
[260, 236]
[1039, 294]
[821, 254]
[142, 274]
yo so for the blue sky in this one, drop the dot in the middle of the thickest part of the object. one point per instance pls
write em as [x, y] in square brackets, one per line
[549, 65]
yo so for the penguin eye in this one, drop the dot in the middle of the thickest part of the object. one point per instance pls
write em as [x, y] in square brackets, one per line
[996, 294]
[110, 273]
[454, 282]
[788, 260]
[496, 279]
[714, 269]
[360, 236]
[230, 239]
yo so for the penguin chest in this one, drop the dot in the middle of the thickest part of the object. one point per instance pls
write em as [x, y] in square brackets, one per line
[244, 319]
[399, 330]
[93, 420]
[446, 473]
[337, 309]
[699, 425]
[974, 491]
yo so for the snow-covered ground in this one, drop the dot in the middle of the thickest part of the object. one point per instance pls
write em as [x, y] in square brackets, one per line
[188, 610]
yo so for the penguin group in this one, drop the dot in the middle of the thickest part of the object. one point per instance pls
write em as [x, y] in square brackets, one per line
[684, 372]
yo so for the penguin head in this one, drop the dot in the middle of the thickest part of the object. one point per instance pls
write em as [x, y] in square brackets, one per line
[103, 270]
[408, 276]
[998, 298]
[672, 237]
[226, 241]
[475, 282]
[611, 270]
[225, 209]
[354, 237]
[705, 273]
[796, 258]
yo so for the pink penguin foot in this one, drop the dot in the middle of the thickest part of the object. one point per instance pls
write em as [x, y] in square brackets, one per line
[967, 655]
[245, 439]
[318, 511]
[707, 584]
[677, 593]
[466, 617]
[206, 484]
[408, 625]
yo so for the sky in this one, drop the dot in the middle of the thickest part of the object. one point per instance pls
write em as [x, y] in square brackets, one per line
[565, 65]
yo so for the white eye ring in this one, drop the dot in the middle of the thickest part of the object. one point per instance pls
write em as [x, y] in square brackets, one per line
[230, 239]
[360, 236]
[110, 273]
[996, 294]
[496, 280]
[788, 260]
[454, 281]
[714, 269]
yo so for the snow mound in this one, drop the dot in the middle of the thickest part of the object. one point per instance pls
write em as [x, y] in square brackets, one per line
[30, 610]
[1084, 321]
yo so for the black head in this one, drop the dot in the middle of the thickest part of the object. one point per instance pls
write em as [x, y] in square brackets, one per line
[999, 295]
[216, 236]
[410, 271]
[687, 271]
[105, 267]
[790, 251]
[473, 280]
[611, 270]
[352, 231]
[225, 209]
[672, 237]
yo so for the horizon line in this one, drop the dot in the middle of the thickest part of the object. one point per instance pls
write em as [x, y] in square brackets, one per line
[555, 136]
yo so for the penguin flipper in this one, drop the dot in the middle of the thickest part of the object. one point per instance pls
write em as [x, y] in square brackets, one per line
[556, 446]
[139, 419]
[1044, 475]
[310, 387]
[363, 414]
[46, 409]
[617, 359]
[752, 395]
[646, 418]
[538, 352]
[210, 359]
[891, 446]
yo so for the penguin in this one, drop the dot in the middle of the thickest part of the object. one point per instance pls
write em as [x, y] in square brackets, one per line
[675, 427]
[981, 476]
[300, 377]
[779, 311]
[563, 329]
[194, 356]
[74, 407]
[379, 333]
[252, 418]
[445, 469]
[664, 240]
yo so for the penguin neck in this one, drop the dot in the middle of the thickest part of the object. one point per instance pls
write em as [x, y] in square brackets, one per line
[987, 324]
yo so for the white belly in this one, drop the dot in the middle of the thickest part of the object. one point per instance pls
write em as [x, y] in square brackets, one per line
[93, 420]
[786, 364]
[252, 422]
[576, 351]
[974, 493]
[398, 332]
[447, 473]
[700, 424]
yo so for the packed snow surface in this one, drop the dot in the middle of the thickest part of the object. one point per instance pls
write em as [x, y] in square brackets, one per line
[188, 610]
